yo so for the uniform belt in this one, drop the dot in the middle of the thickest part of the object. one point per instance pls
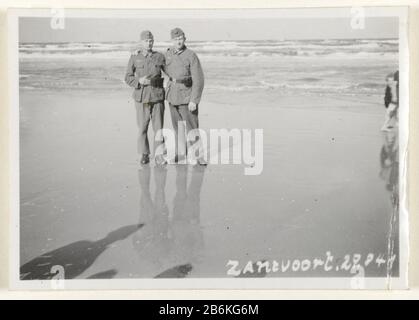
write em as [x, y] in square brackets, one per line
[183, 80]
[156, 82]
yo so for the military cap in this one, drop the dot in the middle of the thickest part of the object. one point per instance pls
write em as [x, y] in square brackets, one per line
[176, 32]
[146, 34]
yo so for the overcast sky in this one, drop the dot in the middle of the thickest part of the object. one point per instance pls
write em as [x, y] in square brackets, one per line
[128, 29]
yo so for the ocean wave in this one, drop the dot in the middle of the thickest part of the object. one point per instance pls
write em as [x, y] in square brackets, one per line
[75, 55]
[308, 79]
[320, 86]
[314, 66]
[314, 86]
[109, 54]
[220, 48]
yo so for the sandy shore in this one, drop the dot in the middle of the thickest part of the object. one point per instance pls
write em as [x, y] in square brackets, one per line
[87, 206]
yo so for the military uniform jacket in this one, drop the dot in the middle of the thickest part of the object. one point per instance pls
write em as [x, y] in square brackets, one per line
[151, 65]
[181, 65]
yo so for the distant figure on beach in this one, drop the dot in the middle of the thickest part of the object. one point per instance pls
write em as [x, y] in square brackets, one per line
[184, 90]
[391, 101]
[144, 75]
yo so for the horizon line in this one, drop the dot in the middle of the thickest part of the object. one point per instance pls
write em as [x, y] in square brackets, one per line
[232, 40]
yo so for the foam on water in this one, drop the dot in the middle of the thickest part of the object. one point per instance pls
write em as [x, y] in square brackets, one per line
[305, 66]
[223, 48]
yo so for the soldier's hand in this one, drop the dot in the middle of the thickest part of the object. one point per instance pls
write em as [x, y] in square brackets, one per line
[192, 106]
[144, 81]
[165, 83]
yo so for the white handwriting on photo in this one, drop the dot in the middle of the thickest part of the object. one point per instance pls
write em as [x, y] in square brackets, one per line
[353, 264]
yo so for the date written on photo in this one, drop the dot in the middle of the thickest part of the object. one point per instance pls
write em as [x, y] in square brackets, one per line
[350, 263]
[210, 309]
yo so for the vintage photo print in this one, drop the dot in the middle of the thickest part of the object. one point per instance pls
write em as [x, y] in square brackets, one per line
[209, 149]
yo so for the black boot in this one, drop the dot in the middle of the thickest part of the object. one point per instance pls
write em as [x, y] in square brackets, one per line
[145, 158]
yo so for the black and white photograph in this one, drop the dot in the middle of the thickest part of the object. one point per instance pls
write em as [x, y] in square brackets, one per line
[209, 149]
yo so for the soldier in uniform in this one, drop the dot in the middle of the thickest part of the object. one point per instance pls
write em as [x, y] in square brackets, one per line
[185, 85]
[144, 75]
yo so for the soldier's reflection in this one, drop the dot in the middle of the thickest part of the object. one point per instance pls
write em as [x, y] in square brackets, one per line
[185, 224]
[172, 243]
[153, 242]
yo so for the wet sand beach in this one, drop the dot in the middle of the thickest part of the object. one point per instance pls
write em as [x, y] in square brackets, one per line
[87, 205]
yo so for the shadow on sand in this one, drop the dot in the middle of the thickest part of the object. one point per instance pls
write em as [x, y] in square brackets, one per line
[74, 258]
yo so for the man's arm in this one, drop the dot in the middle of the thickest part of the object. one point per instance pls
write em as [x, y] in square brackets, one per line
[164, 75]
[197, 80]
[130, 77]
[394, 94]
[163, 62]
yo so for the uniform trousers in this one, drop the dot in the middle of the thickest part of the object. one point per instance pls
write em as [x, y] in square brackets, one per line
[181, 113]
[146, 112]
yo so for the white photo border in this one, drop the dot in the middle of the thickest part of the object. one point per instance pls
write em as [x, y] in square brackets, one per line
[400, 282]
